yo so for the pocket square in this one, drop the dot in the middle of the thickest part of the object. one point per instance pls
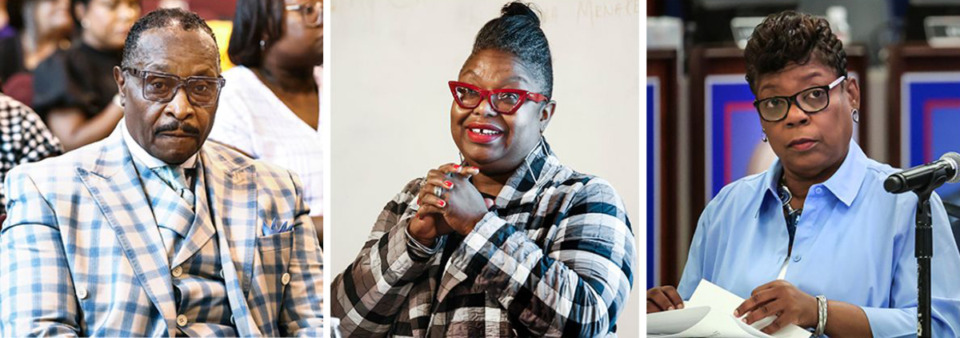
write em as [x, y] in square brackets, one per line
[276, 227]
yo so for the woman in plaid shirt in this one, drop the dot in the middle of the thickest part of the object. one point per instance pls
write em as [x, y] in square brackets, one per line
[508, 243]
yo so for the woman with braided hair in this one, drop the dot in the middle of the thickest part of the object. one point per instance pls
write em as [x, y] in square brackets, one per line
[815, 240]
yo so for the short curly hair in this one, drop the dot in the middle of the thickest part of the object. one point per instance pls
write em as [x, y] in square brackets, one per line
[161, 18]
[791, 37]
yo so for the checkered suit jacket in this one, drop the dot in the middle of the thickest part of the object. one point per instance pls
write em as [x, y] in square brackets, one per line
[80, 252]
[553, 257]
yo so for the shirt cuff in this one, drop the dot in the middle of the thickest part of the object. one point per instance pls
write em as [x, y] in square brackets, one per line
[419, 250]
[885, 322]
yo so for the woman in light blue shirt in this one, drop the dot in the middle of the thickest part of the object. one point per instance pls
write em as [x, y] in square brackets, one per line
[816, 233]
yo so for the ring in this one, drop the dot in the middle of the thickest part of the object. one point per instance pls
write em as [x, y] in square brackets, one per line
[438, 191]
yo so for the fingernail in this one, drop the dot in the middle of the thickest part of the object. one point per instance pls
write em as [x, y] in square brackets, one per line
[442, 203]
[448, 184]
[736, 313]
[680, 306]
[670, 308]
[456, 166]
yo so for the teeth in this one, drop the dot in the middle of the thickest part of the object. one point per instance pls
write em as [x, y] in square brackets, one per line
[484, 131]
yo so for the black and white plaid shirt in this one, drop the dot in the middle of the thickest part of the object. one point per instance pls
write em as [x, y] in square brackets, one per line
[23, 138]
[554, 256]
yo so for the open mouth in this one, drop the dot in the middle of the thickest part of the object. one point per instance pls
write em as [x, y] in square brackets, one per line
[483, 133]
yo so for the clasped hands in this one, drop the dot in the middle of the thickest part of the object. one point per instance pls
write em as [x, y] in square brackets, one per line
[458, 207]
[778, 298]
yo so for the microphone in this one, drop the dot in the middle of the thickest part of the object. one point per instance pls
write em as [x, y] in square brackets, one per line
[936, 173]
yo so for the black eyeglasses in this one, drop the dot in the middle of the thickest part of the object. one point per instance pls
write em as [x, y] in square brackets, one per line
[810, 100]
[162, 87]
[312, 12]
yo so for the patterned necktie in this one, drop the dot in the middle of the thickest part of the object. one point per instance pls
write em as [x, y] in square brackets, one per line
[175, 178]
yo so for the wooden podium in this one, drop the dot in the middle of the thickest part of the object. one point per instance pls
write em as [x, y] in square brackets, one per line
[662, 130]
[905, 59]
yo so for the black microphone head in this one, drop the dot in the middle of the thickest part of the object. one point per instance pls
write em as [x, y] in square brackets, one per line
[894, 183]
[954, 160]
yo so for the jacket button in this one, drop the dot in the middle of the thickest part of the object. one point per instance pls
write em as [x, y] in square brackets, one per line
[182, 320]
[82, 293]
[177, 271]
[285, 279]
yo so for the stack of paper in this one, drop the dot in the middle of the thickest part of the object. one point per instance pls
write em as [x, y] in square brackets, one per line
[709, 313]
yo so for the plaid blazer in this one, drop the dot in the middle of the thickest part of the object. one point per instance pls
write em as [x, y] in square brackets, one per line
[554, 256]
[81, 254]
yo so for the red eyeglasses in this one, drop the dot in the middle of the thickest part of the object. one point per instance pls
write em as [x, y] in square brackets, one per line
[503, 101]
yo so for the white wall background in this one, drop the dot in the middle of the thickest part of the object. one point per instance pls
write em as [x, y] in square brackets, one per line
[389, 64]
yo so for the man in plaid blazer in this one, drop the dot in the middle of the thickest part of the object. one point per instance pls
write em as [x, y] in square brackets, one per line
[151, 232]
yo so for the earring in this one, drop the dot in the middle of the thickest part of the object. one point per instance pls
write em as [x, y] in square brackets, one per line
[764, 137]
[263, 45]
[856, 115]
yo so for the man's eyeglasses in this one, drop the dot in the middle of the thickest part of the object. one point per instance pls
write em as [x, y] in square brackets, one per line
[503, 101]
[810, 100]
[162, 87]
[312, 13]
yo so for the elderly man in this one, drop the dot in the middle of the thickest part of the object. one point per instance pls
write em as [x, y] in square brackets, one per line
[152, 232]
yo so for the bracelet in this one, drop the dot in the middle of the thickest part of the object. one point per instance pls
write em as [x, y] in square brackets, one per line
[822, 316]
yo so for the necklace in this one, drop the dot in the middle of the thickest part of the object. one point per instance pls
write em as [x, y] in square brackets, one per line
[792, 216]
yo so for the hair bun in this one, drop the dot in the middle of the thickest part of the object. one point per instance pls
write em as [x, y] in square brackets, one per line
[520, 9]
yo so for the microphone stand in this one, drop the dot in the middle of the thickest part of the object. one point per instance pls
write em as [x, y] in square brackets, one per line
[923, 251]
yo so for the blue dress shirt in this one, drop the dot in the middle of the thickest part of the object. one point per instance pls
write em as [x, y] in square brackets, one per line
[854, 243]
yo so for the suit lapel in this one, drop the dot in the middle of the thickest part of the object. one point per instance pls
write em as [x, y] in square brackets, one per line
[116, 188]
[232, 193]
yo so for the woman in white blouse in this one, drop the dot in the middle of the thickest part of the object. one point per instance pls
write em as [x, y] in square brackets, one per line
[270, 108]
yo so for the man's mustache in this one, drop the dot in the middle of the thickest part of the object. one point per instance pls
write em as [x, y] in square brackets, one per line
[176, 125]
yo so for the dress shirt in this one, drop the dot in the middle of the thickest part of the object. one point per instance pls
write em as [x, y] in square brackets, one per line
[854, 243]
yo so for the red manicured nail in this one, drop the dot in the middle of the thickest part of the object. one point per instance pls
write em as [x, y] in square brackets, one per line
[442, 203]
[456, 166]
[448, 184]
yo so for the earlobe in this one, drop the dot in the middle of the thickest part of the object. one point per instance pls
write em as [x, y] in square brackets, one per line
[121, 82]
[546, 113]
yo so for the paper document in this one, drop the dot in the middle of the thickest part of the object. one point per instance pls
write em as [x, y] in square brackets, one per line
[709, 313]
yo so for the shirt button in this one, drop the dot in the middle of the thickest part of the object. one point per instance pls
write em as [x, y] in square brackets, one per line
[182, 320]
[233, 321]
[177, 271]
[796, 259]
[819, 190]
[285, 279]
[82, 293]
[221, 273]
